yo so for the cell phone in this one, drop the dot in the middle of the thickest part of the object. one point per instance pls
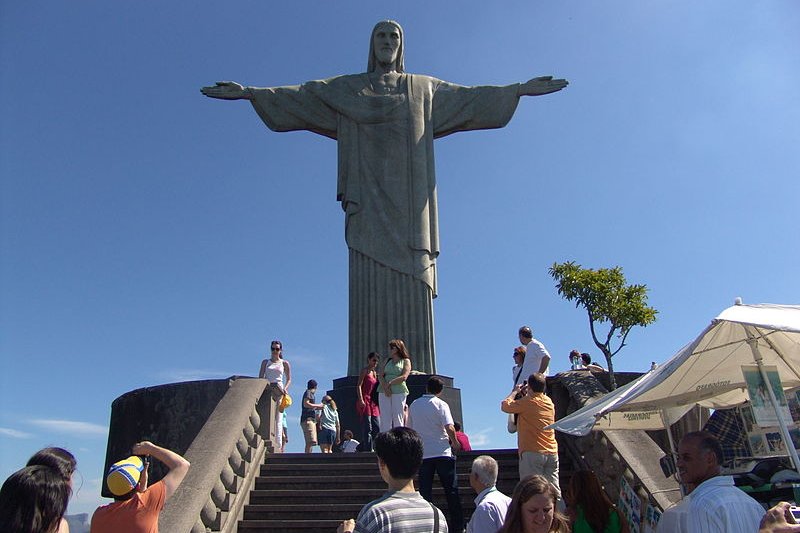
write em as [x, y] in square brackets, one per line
[795, 513]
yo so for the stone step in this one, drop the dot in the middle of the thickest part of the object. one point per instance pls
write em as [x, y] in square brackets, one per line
[331, 469]
[327, 511]
[315, 458]
[272, 468]
[294, 526]
[340, 505]
[289, 496]
[365, 481]
[315, 492]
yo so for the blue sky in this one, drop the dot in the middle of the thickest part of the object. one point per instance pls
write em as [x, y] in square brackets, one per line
[151, 235]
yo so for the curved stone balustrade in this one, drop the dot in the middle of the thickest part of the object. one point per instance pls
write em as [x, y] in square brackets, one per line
[226, 457]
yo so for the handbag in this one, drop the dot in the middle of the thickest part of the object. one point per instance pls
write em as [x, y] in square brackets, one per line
[286, 401]
[511, 424]
[374, 396]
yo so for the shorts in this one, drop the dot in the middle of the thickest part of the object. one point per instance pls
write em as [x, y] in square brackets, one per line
[309, 426]
[327, 436]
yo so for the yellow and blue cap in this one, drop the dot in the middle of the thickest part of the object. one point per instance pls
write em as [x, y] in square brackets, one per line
[123, 476]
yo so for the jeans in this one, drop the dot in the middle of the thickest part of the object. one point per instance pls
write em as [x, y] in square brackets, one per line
[445, 468]
[371, 428]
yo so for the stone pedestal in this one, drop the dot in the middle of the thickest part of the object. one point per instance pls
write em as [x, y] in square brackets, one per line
[345, 395]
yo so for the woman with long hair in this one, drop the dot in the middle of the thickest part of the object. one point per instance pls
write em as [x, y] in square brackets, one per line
[277, 370]
[533, 509]
[367, 407]
[33, 500]
[57, 458]
[329, 429]
[392, 401]
[589, 507]
[63, 462]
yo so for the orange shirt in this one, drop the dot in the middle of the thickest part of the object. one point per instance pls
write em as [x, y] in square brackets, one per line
[535, 413]
[139, 514]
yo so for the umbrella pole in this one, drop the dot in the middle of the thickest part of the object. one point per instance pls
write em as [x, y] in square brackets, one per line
[672, 449]
[782, 424]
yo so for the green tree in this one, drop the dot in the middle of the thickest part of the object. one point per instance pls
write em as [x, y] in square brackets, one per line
[607, 298]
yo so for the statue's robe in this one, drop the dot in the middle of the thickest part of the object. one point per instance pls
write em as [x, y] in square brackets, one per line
[387, 188]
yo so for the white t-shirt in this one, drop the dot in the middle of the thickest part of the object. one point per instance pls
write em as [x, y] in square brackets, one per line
[349, 446]
[428, 416]
[534, 353]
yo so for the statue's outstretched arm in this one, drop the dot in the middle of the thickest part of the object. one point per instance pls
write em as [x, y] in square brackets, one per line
[227, 90]
[541, 85]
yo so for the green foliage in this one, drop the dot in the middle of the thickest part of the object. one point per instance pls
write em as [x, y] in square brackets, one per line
[607, 298]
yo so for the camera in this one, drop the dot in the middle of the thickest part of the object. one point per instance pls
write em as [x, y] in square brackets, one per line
[795, 513]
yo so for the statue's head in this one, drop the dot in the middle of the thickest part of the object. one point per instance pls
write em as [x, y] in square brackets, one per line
[386, 45]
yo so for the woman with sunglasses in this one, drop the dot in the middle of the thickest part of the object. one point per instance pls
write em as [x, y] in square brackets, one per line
[392, 401]
[277, 370]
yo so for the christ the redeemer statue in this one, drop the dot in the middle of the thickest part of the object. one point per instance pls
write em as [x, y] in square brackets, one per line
[384, 122]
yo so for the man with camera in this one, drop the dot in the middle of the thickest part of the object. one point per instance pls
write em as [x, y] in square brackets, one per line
[538, 450]
[136, 505]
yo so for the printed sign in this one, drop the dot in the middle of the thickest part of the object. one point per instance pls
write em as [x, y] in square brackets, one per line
[651, 518]
[763, 411]
[630, 505]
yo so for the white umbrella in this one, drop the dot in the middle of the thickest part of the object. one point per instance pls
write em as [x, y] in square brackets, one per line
[707, 372]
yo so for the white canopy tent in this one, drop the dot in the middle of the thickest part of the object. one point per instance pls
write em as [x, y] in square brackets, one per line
[706, 372]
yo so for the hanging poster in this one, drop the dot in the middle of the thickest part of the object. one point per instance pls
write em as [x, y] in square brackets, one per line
[758, 444]
[651, 518]
[763, 412]
[630, 505]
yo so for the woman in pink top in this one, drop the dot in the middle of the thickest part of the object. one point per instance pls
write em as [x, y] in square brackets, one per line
[367, 407]
[463, 440]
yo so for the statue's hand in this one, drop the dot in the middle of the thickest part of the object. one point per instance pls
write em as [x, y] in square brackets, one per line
[226, 90]
[541, 85]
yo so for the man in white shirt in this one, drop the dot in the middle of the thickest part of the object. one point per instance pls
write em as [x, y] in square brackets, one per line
[537, 358]
[715, 505]
[430, 417]
[491, 505]
[675, 519]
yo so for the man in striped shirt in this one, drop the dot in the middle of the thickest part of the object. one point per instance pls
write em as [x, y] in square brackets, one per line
[402, 509]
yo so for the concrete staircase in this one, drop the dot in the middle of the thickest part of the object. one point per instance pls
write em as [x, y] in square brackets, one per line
[313, 493]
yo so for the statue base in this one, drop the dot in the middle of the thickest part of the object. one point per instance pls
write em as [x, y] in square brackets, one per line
[345, 395]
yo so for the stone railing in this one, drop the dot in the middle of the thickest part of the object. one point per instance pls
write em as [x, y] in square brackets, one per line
[613, 454]
[226, 457]
[633, 455]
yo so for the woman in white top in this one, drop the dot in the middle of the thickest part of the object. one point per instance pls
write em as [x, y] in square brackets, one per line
[277, 370]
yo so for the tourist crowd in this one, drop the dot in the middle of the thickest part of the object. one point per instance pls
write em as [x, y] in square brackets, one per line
[412, 442]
